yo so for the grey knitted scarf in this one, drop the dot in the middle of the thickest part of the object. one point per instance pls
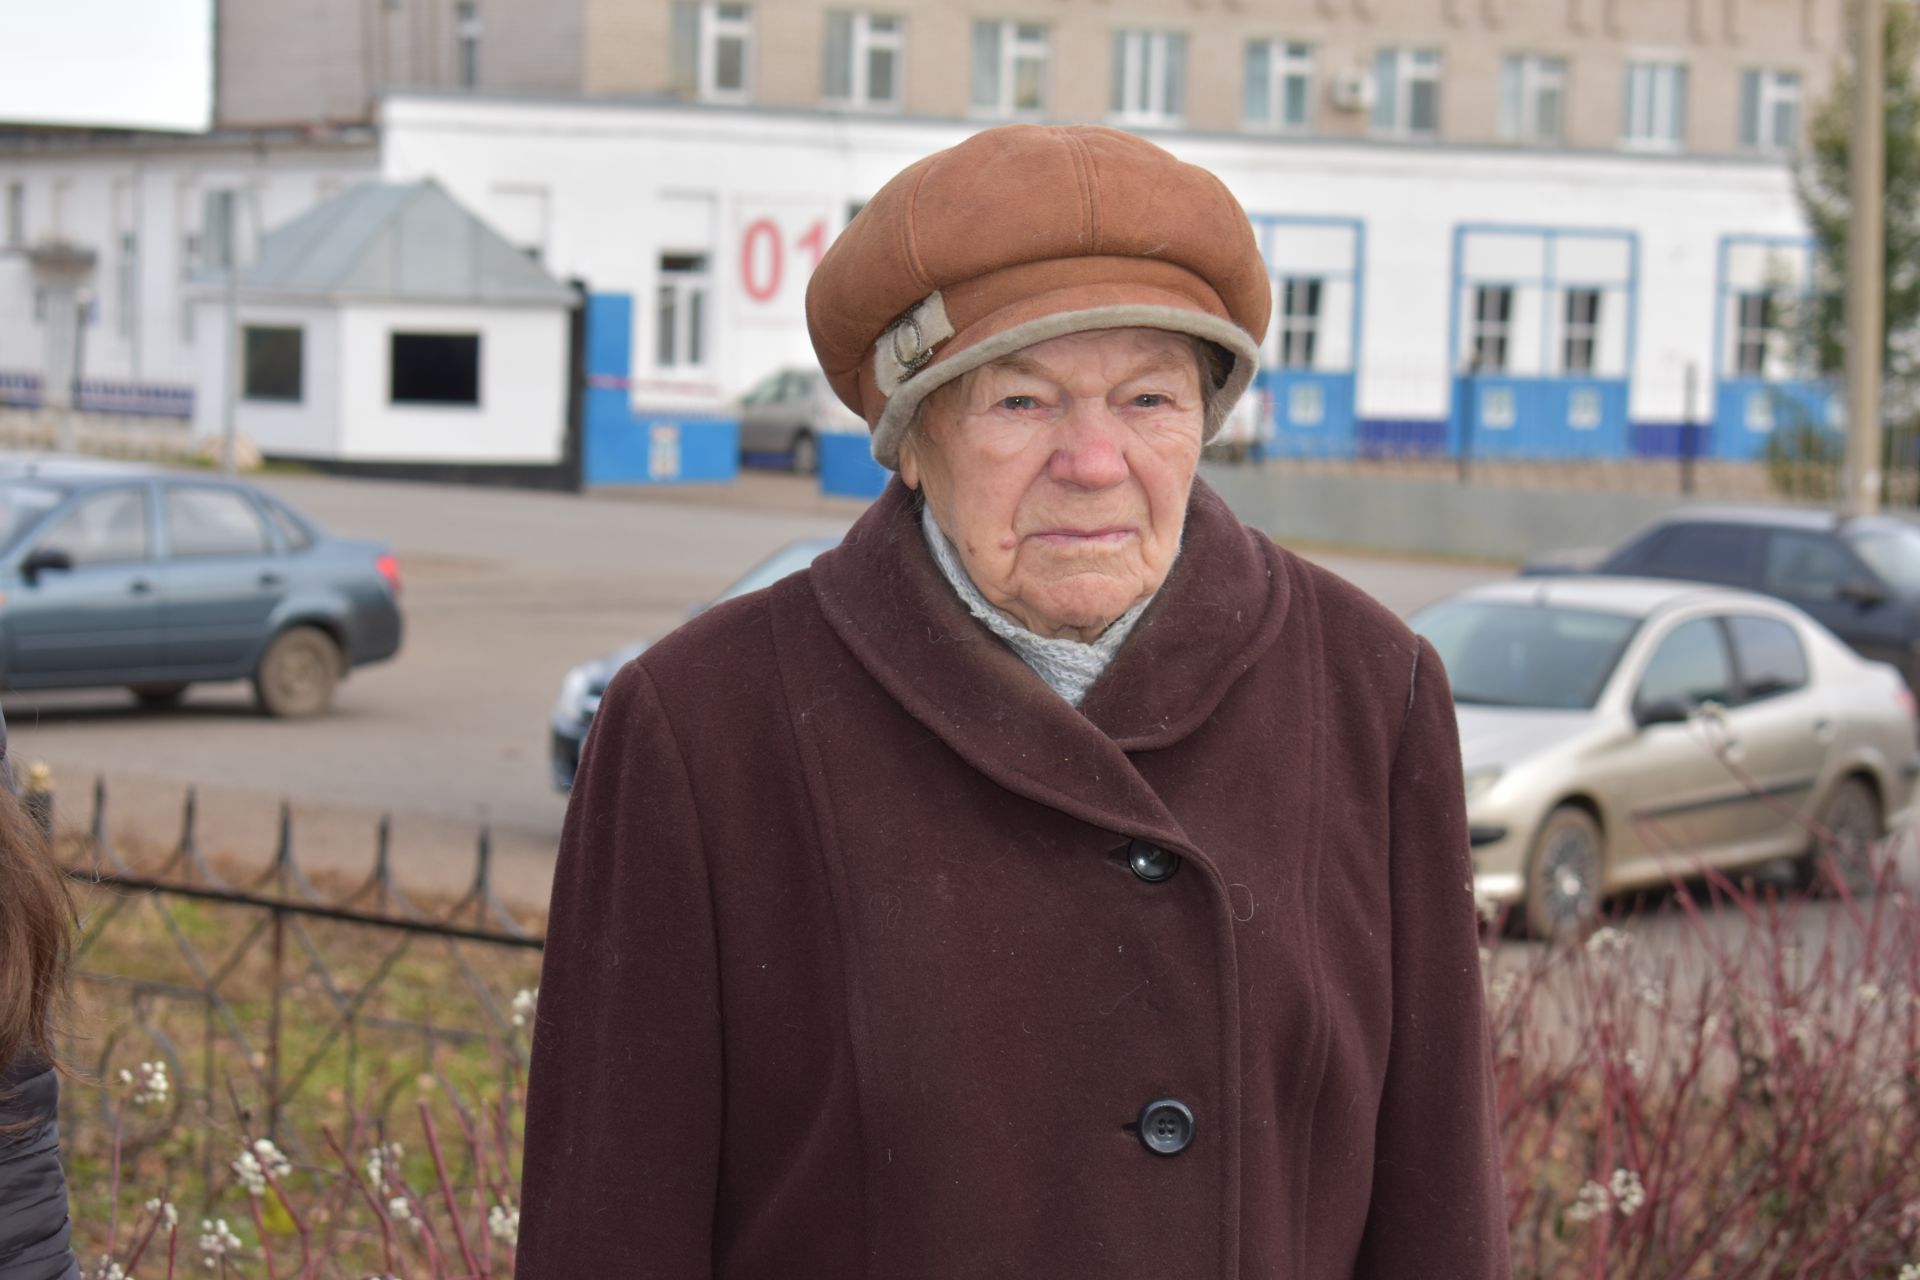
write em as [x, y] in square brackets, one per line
[1068, 666]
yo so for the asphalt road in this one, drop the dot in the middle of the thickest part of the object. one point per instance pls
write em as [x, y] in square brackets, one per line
[504, 592]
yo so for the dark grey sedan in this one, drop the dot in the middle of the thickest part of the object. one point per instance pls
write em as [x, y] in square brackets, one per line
[155, 580]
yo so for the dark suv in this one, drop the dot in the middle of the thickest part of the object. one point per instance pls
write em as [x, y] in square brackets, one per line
[1859, 576]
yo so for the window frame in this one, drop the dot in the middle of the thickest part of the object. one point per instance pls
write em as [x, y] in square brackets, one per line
[1525, 80]
[697, 28]
[1491, 331]
[1654, 104]
[16, 215]
[1753, 345]
[1712, 624]
[1393, 104]
[466, 37]
[396, 401]
[1300, 326]
[682, 314]
[248, 394]
[1575, 331]
[1149, 70]
[863, 41]
[1287, 62]
[1749, 692]
[1011, 46]
[1764, 93]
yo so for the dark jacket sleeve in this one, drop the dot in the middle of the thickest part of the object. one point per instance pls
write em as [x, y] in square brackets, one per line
[624, 1105]
[1437, 1207]
[33, 1190]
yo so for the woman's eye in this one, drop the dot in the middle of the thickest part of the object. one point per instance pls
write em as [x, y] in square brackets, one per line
[1020, 402]
[1149, 400]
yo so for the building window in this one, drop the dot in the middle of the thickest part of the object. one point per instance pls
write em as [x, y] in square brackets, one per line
[1753, 332]
[1769, 110]
[1010, 68]
[1299, 321]
[1581, 337]
[434, 368]
[1656, 110]
[712, 50]
[16, 214]
[1406, 100]
[680, 339]
[273, 358]
[863, 59]
[1279, 90]
[466, 29]
[1149, 76]
[1533, 96]
[1492, 325]
[126, 282]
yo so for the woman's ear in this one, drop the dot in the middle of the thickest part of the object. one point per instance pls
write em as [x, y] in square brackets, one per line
[909, 464]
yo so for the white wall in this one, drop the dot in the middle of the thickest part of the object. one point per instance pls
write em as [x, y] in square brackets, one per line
[94, 195]
[521, 417]
[307, 429]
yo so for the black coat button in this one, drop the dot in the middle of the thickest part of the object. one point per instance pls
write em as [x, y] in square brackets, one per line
[1166, 1126]
[1150, 862]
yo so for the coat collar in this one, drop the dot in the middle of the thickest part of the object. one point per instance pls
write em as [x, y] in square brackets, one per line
[1221, 608]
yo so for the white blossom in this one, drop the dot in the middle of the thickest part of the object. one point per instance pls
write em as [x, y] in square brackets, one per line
[524, 1005]
[256, 1162]
[503, 1223]
[1608, 941]
[1800, 1031]
[1636, 1064]
[1504, 987]
[165, 1211]
[151, 1084]
[1589, 1204]
[400, 1210]
[1910, 1272]
[1628, 1194]
[216, 1241]
[108, 1270]
[1652, 996]
[383, 1159]
[1868, 994]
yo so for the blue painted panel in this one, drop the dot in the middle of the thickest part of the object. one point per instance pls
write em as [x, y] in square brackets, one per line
[1308, 414]
[661, 448]
[1671, 439]
[1747, 411]
[847, 468]
[1397, 438]
[1540, 417]
[609, 334]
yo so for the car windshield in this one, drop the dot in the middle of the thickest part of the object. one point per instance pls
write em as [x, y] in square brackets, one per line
[1504, 654]
[21, 505]
[791, 558]
[1892, 553]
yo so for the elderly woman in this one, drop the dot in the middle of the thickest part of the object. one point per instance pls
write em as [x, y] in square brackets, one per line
[1058, 879]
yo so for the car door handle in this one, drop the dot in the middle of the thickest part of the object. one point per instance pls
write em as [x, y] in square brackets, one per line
[140, 587]
[272, 580]
[1823, 731]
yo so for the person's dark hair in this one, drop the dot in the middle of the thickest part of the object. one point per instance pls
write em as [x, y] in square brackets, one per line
[36, 936]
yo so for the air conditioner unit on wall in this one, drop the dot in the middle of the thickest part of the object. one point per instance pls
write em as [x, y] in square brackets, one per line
[1352, 90]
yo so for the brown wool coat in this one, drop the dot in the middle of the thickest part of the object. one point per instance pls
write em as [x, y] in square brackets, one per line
[849, 978]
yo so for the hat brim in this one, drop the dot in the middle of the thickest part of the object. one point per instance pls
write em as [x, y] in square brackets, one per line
[1045, 317]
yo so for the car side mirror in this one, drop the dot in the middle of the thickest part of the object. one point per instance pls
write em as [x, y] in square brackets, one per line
[1863, 592]
[41, 560]
[1665, 711]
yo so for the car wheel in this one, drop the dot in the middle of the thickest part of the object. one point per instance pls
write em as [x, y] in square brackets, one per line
[297, 673]
[806, 454]
[1563, 875]
[1848, 840]
[158, 697]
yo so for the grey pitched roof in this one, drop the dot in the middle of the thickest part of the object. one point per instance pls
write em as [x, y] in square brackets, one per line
[396, 242]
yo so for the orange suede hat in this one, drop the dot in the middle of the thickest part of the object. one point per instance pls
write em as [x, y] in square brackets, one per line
[1025, 233]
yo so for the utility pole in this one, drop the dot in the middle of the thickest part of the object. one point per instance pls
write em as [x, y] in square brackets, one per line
[1866, 258]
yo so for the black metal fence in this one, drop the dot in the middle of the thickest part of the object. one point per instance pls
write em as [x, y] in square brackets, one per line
[266, 1007]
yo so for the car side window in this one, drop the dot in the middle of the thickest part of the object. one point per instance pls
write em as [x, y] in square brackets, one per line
[292, 532]
[213, 522]
[1807, 566]
[1770, 657]
[105, 528]
[1690, 667]
[1705, 552]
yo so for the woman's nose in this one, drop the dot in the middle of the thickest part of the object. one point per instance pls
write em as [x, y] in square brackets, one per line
[1090, 453]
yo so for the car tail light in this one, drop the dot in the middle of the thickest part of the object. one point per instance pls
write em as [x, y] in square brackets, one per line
[1907, 704]
[390, 570]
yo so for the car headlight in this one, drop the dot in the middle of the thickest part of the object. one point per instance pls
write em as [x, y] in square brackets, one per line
[1480, 781]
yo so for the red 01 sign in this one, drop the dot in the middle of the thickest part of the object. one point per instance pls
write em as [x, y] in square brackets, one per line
[774, 253]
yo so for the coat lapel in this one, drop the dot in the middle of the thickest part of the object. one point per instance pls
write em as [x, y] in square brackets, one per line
[1221, 608]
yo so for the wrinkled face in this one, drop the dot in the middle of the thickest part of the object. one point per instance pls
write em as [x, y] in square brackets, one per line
[1061, 472]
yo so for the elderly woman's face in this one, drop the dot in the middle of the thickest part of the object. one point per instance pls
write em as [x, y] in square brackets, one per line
[1061, 473]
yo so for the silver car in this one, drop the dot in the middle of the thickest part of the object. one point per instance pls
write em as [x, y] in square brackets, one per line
[785, 413]
[1619, 732]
